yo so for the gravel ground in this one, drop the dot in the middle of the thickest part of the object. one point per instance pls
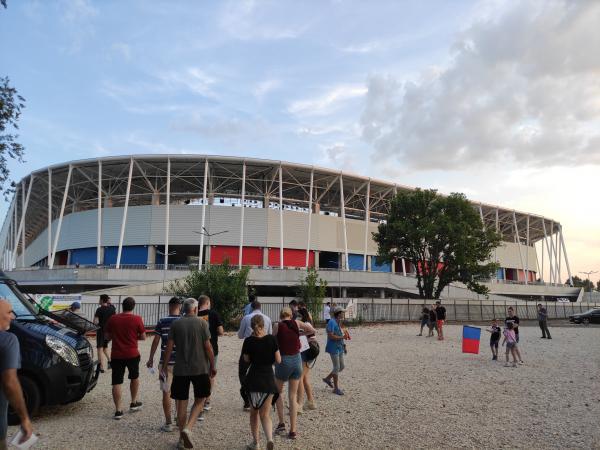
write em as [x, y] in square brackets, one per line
[402, 391]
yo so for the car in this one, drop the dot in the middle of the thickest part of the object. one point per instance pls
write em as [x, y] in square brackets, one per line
[591, 316]
[57, 361]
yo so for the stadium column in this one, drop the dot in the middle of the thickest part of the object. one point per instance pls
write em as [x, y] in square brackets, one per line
[24, 204]
[553, 238]
[168, 215]
[527, 254]
[562, 242]
[343, 212]
[242, 216]
[99, 248]
[124, 219]
[518, 242]
[60, 217]
[550, 269]
[310, 195]
[280, 217]
[201, 254]
[49, 234]
[367, 221]
[403, 267]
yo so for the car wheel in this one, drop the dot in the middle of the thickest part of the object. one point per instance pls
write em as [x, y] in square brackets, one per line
[586, 321]
[33, 398]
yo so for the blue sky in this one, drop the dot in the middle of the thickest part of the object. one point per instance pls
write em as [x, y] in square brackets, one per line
[494, 99]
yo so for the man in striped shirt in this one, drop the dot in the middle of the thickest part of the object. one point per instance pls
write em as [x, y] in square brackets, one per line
[161, 335]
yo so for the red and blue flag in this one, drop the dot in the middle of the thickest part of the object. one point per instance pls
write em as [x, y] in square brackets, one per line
[470, 341]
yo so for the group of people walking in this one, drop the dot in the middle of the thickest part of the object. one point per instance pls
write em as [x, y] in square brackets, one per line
[433, 318]
[272, 355]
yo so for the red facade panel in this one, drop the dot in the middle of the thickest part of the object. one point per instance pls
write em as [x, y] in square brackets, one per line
[251, 256]
[291, 257]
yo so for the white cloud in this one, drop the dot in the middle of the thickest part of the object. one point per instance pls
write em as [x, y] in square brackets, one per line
[77, 17]
[337, 155]
[327, 102]
[264, 87]
[522, 86]
[192, 78]
[122, 49]
[78, 10]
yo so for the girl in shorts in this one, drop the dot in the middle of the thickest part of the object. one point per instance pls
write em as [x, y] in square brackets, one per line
[494, 329]
[261, 351]
[510, 340]
[289, 370]
[307, 364]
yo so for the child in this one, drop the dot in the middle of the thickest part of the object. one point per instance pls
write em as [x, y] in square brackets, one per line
[511, 343]
[494, 339]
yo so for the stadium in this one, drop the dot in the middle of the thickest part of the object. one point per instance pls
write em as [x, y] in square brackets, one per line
[140, 219]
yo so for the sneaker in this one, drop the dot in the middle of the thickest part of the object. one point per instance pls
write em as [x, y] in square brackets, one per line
[338, 392]
[280, 429]
[207, 406]
[292, 435]
[246, 407]
[136, 406]
[201, 417]
[548, 337]
[311, 406]
[252, 446]
[270, 445]
[167, 428]
[328, 382]
[118, 415]
[514, 364]
[521, 362]
[506, 365]
[180, 444]
[185, 436]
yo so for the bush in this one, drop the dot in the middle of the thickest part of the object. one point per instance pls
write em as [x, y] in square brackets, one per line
[311, 291]
[226, 286]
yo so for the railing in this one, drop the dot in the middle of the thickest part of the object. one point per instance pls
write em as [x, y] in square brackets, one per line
[380, 310]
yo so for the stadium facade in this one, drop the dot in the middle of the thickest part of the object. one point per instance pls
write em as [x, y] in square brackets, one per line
[171, 211]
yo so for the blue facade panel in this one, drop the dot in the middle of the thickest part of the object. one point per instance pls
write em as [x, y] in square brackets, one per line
[355, 261]
[132, 254]
[379, 266]
[83, 256]
[500, 274]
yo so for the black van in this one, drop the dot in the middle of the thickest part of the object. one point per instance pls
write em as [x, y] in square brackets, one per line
[57, 361]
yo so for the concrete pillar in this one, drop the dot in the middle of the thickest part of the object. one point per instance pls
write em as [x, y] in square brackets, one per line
[394, 265]
[108, 202]
[382, 293]
[369, 262]
[317, 259]
[344, 292]
[317, 208]
[265, 257]
[101, 255]
[69, 257]
[341, 261]
[156, 198]
[208, 253]
[266, 201]
[151, 255]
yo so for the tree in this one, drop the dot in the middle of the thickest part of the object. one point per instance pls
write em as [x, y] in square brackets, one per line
[443, 237]
[11, 104]
[586, 284]
[226, 286]
[311, 291]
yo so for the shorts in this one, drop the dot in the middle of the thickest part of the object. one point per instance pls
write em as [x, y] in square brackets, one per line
[180, 388]
[290, 368]
[439, 324]
[494, 343]
[304, 357]
[510, 345]
[337, 359]
[101, 341]
[216, 359]
[118, 369]
[169, 377]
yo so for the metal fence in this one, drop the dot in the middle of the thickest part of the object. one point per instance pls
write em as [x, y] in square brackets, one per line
[381, 310]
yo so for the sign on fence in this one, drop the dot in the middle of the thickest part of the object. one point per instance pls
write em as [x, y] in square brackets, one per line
[351, 310]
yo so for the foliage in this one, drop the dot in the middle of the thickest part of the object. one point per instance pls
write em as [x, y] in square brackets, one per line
[226, 286]
[312, 291]
[11, 104]
[586, 284]
[443, 237]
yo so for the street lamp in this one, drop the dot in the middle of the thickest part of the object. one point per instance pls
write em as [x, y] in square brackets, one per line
[165, 266]
[588, 278]
[205, 232]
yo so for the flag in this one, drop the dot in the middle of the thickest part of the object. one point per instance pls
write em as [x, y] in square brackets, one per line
[470, 341]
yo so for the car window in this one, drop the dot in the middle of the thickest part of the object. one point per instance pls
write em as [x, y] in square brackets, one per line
[20, 309]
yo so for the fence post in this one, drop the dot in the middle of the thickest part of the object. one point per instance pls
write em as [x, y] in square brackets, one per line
[119, 305]
[469, 310]
[481, 308]
[158, 310]
[372, 311]
[391, 316]
[454, 309]
[408, 309]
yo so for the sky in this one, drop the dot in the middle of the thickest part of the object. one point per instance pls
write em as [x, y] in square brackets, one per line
[498, 100]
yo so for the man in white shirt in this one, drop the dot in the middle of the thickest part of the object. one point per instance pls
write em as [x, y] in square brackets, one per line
[326, 312]
[244, 332]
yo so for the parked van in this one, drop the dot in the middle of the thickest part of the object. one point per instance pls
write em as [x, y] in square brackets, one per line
[57, 361]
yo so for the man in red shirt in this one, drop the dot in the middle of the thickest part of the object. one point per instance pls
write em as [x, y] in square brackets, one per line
[125, 330]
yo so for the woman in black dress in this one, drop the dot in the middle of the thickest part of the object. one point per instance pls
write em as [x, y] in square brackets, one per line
[261, 351]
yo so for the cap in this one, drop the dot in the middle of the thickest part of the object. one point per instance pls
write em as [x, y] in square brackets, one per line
[337, 309]
[75, 305]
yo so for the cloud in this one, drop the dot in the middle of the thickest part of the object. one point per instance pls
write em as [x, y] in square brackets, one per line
[122, 49]
[522, 86]
[337, 155]
[192, 78]
[245, 20]
[328, 102]
[264, 87]
[77, 16]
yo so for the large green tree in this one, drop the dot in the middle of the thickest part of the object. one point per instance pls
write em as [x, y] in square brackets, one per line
[584, 283]
[226, 286]
[311, 291]
[11, 104]
[443, 237]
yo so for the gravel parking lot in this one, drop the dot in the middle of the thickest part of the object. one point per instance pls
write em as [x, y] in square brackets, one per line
[402, 391]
